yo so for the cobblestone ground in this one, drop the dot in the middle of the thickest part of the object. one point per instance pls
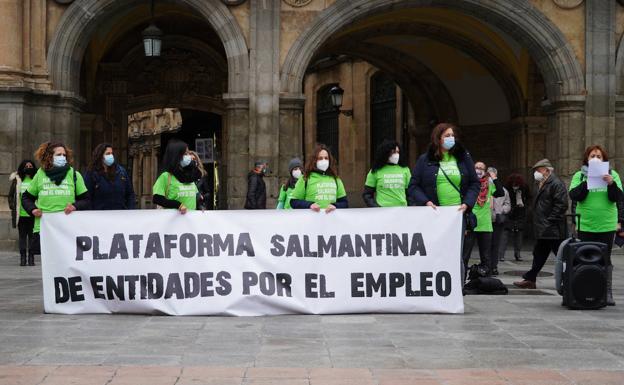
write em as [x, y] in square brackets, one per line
[525, 337]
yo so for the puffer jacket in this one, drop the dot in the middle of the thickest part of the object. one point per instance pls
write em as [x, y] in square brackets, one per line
[549, 208]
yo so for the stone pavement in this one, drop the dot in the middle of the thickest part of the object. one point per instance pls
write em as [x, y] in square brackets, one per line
[525, 337]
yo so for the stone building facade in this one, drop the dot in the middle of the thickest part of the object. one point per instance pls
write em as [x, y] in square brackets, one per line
[523, 78]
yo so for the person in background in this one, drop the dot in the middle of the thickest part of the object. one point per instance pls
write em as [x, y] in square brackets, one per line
[320, 187]
[519, 197]
[598, 208]
[295, 171]
[490, 187]
[549, 208]
[204, 190]
[256, 187]
[175, 187]
[108, 183]
[20, 180]
[501, 206]
[55, 187]
[387, 181]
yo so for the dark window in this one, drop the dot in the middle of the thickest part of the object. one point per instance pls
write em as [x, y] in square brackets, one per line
[383, 110]
[327, 121]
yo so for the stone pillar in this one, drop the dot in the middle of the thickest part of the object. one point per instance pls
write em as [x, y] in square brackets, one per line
[618, 155]
[11, 44]
[565, 141]
[600, 77]
[264, 119]
[236, 146]
[290, 132]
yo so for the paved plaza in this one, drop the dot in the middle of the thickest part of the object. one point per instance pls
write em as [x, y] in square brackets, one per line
[525, 337]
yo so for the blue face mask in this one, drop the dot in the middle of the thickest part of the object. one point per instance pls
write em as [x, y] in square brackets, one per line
[59, 161]
[109, 160]
[186, 160]
[449, 142]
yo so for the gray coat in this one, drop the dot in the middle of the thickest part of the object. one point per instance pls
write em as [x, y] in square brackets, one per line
[549, 208]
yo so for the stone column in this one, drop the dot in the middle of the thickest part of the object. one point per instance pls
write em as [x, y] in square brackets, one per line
[600, 77]
[264, 117]
[11, 43]
[233, 173]
[618, 156]
[290, 131]
[565, 141]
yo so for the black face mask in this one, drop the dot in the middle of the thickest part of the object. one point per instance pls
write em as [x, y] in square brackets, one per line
[29, 171]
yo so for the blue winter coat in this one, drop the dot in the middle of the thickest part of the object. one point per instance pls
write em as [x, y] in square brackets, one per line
[105, 194]
[423, 186]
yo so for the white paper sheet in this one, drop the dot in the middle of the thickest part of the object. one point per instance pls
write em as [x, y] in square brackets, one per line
[595, 172]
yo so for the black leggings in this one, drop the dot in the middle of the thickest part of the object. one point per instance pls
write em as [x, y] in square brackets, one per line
[25, 229]
[484, 240]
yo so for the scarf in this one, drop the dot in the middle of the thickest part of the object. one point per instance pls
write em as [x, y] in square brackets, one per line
[483, 192]
[187, 174]
[57, 174]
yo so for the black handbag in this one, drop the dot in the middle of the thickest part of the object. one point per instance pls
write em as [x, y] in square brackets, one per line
[470, 219]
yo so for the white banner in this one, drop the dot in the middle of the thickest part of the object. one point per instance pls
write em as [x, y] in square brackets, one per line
[250, 263]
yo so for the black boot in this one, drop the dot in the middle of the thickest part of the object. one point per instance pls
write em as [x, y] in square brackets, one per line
[610, 300]
[31, 259]
[22, 257]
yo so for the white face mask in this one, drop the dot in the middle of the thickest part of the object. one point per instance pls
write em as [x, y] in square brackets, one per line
[595, 160]
[322, 165]
[394, 158]
[297, 174]
[538, 176]
[480, 173]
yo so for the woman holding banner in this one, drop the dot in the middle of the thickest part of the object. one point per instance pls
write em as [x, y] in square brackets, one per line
[55, 187]
[445, 175]
[320, 187]
[110, 187]
[386, 182]
[598, 210]
[175, 188]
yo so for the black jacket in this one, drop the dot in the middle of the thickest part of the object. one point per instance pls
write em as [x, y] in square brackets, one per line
[549, 208]
[423, 185]
[106, 194]
[256, 191]
[518, 213]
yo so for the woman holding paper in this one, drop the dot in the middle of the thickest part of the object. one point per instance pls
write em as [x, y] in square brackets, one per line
[597, 207]
[320, 187]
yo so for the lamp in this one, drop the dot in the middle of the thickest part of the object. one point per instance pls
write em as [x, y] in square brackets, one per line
[152, 38]
[336, 93]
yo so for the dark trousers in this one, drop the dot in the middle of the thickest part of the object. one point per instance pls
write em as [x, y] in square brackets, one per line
[499, 244]
[541, 251]
[35, 245]
[25, 230]
[606, 238]
[484, 240]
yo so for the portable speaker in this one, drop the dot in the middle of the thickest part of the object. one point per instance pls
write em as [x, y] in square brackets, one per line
[585, 275]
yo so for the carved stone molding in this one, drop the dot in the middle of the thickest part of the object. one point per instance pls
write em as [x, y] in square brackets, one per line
[64, 1]
[568, 4]
[297, 3]
[233, 2]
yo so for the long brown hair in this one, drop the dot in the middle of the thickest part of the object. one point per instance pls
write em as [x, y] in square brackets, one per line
[605, 156]
[437, 133]
[311, 163]
[45, 154]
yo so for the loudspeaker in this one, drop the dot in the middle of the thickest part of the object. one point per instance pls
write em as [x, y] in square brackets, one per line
[585, 275]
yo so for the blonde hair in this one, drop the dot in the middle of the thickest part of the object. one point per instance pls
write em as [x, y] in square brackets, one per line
[200, 165]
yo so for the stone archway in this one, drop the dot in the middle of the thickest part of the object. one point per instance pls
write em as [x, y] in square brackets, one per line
[546, 44]
[83, 17]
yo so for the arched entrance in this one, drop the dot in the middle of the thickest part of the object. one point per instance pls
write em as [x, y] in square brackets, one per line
[97, 52]
[501, 70]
